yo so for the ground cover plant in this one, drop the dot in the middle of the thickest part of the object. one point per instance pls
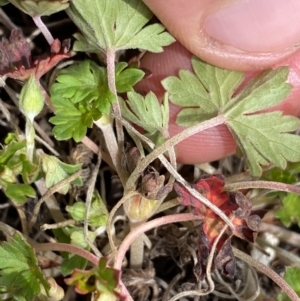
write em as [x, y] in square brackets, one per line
[94, 204]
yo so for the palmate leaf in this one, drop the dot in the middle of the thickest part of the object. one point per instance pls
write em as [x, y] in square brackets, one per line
[116, 25]
[263, 138]
[147, 113]
[19, 270]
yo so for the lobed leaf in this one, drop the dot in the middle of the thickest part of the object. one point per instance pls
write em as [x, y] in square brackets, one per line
[19, 270]
[116, 25]
[202, 94]
[147, 113]
[263, 138]
[81, 95]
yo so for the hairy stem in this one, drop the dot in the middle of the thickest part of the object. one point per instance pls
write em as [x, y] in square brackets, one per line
[88, 204]
[43, 28]
[61, 247]
[263, 185]
[136, 248]
[168, 144]
[175, 174]
[110, 60]
[268, 272]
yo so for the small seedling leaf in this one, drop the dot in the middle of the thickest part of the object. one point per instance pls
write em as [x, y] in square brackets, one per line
[147, 113]
[81, 96]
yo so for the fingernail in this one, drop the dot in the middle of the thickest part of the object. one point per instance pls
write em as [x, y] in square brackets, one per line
[256, 25]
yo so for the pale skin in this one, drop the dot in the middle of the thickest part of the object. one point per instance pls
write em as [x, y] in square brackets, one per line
[248, 35]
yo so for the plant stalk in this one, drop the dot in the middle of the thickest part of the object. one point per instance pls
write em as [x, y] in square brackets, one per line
[111, 78]
[262, 185]
[138, 231]
[62, 247]
[43, 28]
[168, 144]
[268, 272]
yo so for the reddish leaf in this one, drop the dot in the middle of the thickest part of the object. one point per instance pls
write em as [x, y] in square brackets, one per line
[235, 205]
[16, 61]
[103, 281]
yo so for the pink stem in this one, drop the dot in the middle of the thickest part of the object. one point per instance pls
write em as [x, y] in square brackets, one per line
[67, 248]
[129, 239]
[263, 185]
[43, 28]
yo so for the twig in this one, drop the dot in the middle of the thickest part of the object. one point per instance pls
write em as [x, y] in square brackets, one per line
[68, 222]
[110, 218]
[88, 202]
[168, 144]
[50, 191]
[262, 185]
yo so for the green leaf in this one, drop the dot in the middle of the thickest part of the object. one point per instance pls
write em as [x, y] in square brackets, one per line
[104, 284]
[291, 276]
[290, 211]
[263, 138]
[147, 113]
[84, 83]
[98, 213]
[127, 78]
[10, 150]
[19, 193]
[78, 238]
[202, 94]
[40, 7]
[20, 273]
[68, 120]
[72, 263]
[56, 171]
[81, 95]
[116, 25]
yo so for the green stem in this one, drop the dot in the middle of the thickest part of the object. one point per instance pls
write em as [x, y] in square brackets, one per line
[61, 247]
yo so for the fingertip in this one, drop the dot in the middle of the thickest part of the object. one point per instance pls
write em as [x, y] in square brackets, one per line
[239, 35]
